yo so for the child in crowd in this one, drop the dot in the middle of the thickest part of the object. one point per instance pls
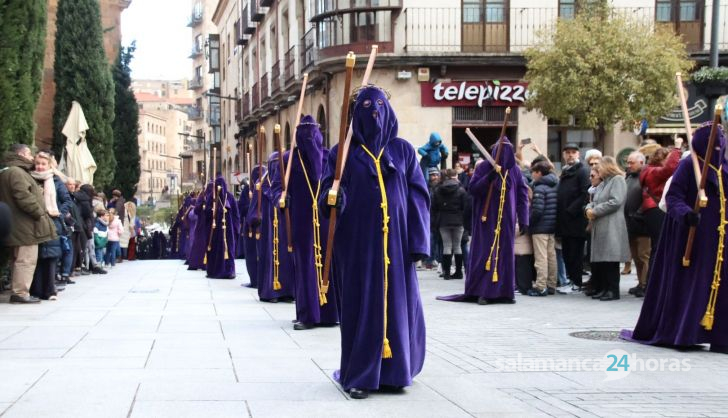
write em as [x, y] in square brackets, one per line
[113, 250]
[101, 234]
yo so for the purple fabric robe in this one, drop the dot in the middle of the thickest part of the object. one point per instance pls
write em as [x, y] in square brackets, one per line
[190, 224]
[359, 260]
[265, 243]
[479, 281]
[309, 143]
[196, 256]
[243, 203]
[224, 229]
[251, 227]
[183, 234]
[677, 296]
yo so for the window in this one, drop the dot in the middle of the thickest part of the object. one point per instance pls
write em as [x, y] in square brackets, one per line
[663, 11]
[688, 11]
[471, 11]
[567, 9]
[214, 60]
[495, 11]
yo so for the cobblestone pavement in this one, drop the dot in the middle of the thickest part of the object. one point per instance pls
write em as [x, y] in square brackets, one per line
[154, 340]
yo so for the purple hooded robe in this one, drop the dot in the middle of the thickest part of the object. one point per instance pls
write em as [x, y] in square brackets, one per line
[359, 259]
[309, 145]
[183, 232]
[479, 281]
[243, 203]
[252, 258]
[225, 227]
[677, 297]
[196, 256]
[190, 221]
[265, 245]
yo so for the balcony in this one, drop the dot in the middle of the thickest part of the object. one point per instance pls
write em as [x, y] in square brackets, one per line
[197, 16]
[196, 51]
[195, 113]
[247, 26]
[264, 87]
[290, 65]
[329, 8]
[196, 83]
[256, 11]
[275, 78]
[246, 104]
[308, 55]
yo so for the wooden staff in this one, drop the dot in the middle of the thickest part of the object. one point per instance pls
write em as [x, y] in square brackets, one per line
[214, 162]
[278, 143]
[296, 121]
[701, 186]
[331, 199]
[689, 132]
[259, 184]
[341, 153]
[486, 205]
[248, 155]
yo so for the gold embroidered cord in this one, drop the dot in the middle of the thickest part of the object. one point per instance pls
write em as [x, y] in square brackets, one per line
[212, 230]
[317, 247]
[709, 317]
[276, 257]
[386, 349]
[496, 239]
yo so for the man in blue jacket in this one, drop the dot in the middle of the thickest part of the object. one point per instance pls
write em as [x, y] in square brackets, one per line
[543, 227]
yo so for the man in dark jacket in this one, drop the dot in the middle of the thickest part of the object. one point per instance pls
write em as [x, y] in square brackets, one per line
[84, 200]
[570, 220]
[433, 181]
[117, 203]
[448, 206]
[78, 235]
[543, 227]
[639, 235]
[31, 223]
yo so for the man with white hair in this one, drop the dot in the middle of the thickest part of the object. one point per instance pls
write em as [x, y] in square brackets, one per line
[639, 237]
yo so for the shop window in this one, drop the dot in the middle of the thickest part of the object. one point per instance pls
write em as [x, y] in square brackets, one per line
[567, 9]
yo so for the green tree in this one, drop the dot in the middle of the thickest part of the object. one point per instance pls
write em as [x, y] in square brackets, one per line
[22, 46]
[604, 67]
[126, 126]
[82, 73]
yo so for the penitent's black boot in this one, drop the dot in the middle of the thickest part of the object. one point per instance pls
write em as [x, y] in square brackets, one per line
[458, 267]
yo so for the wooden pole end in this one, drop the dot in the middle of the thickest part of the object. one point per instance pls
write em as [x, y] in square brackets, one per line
[277, 128]
[508, 110]
[685, 262]
[350, 59]
[262, 129]
[678, 74]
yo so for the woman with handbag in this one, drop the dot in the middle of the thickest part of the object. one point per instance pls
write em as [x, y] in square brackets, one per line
[57, 201]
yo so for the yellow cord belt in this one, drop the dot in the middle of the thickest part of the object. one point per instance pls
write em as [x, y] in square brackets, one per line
[709, 316]
[276, 256]
[317, 257]
[212, 230]
[386, 350]
[224, 225]
[496, 239]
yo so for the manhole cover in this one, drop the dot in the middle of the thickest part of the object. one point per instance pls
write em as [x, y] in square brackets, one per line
[144, 291]
[597, 335]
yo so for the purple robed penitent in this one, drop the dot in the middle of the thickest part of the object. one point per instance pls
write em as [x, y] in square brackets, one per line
[266, 244]
[196, 256]
[677, 297]
[190, 222]
[183, 236]
[243, 204]
[251, 227]
[309, 143]
[359, 259]
[222, 210]
[479, 282]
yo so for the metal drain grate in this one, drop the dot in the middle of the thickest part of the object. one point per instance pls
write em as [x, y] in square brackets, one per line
[144, 291]
[597, 335]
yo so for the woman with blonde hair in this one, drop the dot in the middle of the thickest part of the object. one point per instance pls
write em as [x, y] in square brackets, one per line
[128, 233]
[608, 230]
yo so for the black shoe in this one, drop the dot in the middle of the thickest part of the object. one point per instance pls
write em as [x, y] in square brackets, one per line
[67, 280]
[551, 291]
[536, 292]
[358, 393]
[300, 326]
[599, 295]
[274, 300]
[639, 293]
[483, 301]
[457, 276]
[98, 270]
[609, 296]
[85, 272]
[21, 299]
[447, 276]
[633, 289]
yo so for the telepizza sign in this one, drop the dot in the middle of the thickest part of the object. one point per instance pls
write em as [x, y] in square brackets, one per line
[474, 93]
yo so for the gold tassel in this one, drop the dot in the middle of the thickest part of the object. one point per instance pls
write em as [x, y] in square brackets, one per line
[317, 257]
[487, 265]
[707, 321]
[386, 350]
[709, 318]
[495, 247]
[276, 254]
[495, 277]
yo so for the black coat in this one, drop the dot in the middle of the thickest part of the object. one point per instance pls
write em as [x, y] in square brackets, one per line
[5, 221]
[85, 205]
[636, 226]
[449, 203]
[572, 197]
[544, 205]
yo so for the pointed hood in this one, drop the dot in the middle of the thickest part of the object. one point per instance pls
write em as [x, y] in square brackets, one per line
[310, 143]
[508, 156]
[700, 146]
[221, 186]
[374, 122]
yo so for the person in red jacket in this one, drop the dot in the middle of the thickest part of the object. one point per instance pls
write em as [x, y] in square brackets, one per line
[662, 165]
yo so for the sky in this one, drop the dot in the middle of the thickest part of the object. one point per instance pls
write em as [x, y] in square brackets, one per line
[162, 37]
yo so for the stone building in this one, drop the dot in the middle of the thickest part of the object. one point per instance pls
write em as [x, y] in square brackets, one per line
[448, 64]
[110, 23]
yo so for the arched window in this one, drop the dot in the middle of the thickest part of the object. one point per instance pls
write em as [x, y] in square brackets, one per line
[321, 119]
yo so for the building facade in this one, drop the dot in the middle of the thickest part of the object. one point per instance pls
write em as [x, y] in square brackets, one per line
[448, 64]
[161, 125]
[111, 24]
[205, 81]
[174, 90]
